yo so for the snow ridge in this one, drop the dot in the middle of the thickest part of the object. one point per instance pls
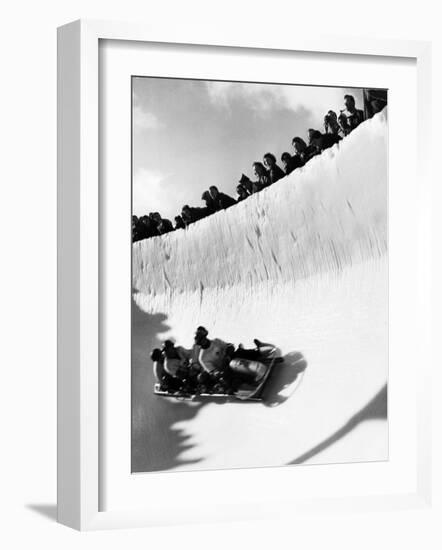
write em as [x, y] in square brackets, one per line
[326, 216]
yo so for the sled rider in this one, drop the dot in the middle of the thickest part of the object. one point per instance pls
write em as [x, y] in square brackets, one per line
[212, 356]
[166, 381]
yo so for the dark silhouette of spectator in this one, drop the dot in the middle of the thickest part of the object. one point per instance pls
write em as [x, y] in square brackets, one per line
[191, 214]
[290, 163]
[221, 201]
[274, 170]
[179, 223]
[163, 224]
[287, 164]
[246, 183]
[331, 124]
[262, 175]
[187, 215]
[350, 117]
[303, 152]
[320, 142]
[146, 228]
[210, 202]
[242, 193]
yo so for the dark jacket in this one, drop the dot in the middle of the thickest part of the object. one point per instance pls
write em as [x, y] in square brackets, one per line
[223, 201]
[295, 162]
[350, 121]
[309, 153]
[179, 223]
[243, 196]
[262, 182]
[165, 226]
[210, 203]
[265, 180]
[276, 173]
[146, 228]
[247, 184]
[328, 140]
[195, 214]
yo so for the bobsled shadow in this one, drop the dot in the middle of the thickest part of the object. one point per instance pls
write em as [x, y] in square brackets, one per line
[284, 379]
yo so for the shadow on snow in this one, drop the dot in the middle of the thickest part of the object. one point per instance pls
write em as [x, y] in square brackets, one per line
[376, 409]
[156, 444]
[283, 377]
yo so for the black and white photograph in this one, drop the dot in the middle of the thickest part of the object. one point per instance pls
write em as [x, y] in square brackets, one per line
[259, 333]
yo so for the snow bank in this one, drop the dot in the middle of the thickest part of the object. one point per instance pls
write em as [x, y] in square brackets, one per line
[330, 214]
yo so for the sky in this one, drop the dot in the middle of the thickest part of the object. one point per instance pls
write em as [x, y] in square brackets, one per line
[191, 134]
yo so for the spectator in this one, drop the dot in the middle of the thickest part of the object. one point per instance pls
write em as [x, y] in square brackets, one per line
[242, 193]
[350, 117]
[188, 215]
[274, 170]
[286, 159]
[262, 175]
[147, 227]
[191, 214]
[290, 163]
[163, 224]
[246, 183]
[303, 153]
[210, 202]
[312, 133]
[320, 142]
[331, 124]
[221, 201]
[179, 223]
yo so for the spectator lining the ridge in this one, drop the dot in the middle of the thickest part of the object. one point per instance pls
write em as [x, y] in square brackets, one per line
[262, 175]
[187, 215]
[290, 163]
[163, 224]
[274, 170]
[350, 117]
[242, 193]
[221, 201]
[331, 124]
[179, 223]
[319, 142]
[246, 183]
[287, 163]
[303, 153]
[210, 202]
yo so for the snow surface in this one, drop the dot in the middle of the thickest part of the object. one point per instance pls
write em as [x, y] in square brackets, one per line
[303, 264]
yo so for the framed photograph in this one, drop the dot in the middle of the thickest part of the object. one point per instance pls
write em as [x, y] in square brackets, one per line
[234, 286]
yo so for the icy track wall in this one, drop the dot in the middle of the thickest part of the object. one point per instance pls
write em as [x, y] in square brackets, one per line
[324, 217]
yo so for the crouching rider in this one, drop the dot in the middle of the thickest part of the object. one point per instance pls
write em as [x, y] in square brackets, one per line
[170, 366]
[213, 358]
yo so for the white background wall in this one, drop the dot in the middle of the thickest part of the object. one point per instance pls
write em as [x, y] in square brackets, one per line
[28, 276]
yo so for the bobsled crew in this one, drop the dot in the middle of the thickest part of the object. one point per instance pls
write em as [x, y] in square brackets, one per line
[213, 368]
[268, 172]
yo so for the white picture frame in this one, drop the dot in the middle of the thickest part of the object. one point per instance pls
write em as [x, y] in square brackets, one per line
[79, 278]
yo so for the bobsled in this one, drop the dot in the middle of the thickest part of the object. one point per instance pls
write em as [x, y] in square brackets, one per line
[248, 378]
